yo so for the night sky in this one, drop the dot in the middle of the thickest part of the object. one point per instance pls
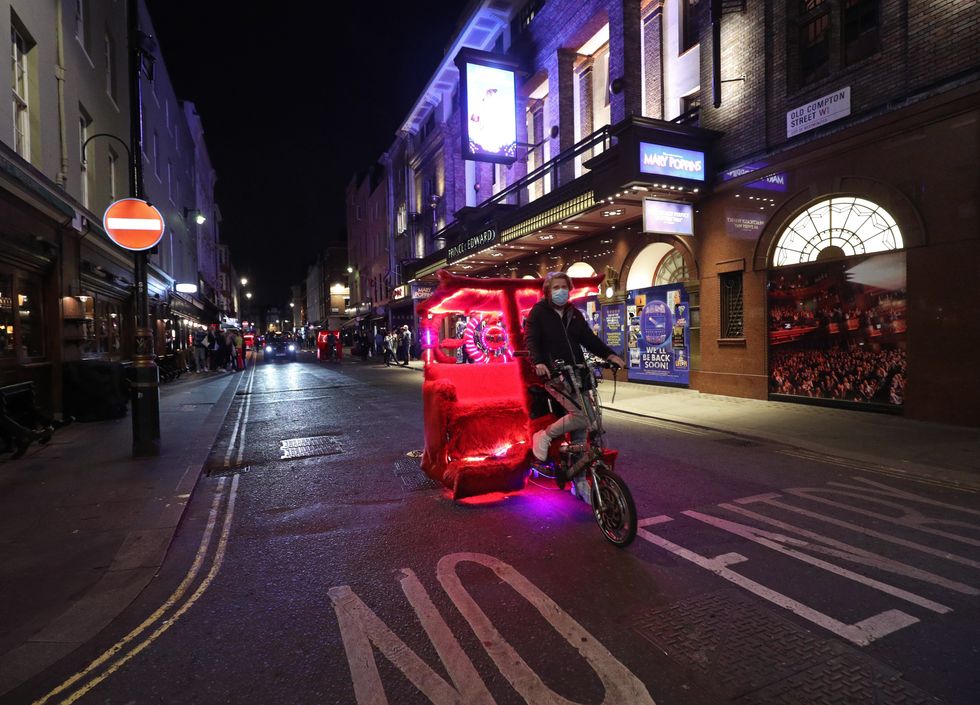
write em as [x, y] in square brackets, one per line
[295, 98]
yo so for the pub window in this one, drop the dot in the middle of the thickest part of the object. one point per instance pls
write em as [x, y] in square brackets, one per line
[7, 348]
[732, 318]
[690, 24]
[30, 332]
[860, 25]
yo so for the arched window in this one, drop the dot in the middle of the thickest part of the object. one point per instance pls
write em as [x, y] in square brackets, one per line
[671, 269]
[838, 227]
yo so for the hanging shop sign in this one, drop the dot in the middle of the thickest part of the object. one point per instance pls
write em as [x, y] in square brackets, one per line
[658, 334]
[819, 112]
[420, 292]
[133, 224]
[489, 114]
[472, 244]
[667, 217]
[663, 160]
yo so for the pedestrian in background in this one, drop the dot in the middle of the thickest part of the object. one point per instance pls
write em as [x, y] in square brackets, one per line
[200, 350]
[404, 345]
[211, 348]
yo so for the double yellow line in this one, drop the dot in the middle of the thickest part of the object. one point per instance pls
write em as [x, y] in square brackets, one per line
[126, 648]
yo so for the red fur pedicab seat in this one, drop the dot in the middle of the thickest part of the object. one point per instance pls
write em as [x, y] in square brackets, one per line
[477, 427]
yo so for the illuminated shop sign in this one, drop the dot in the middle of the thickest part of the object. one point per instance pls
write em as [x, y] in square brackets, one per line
[471, 245]
[420, 292]
[671, 161]
[773, 182]
[667, 217]
[489, 114]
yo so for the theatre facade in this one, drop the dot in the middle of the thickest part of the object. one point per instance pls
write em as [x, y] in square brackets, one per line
[785, 236]
[816, 276]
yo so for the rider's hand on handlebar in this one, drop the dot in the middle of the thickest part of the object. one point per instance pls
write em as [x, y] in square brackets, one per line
[542, 370]
[616, 361]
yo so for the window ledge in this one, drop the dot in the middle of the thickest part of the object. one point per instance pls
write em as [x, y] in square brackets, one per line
[731, 342]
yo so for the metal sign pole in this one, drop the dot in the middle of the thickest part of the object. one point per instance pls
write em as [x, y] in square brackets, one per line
[145, 384]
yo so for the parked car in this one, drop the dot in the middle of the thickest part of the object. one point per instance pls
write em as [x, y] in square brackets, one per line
[279, 345]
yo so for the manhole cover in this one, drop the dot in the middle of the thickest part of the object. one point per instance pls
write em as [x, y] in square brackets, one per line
[308, 447]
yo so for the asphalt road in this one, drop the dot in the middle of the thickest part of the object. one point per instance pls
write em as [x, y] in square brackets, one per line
[316, 564]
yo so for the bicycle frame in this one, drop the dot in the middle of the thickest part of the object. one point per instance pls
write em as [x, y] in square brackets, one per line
[587, 399]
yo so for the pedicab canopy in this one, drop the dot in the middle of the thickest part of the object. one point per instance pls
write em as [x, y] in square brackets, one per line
[477, 425]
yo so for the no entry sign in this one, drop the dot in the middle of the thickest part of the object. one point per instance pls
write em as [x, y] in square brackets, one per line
[133, 224]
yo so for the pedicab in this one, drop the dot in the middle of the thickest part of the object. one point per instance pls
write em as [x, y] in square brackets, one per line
[328, 345]
[477, 416]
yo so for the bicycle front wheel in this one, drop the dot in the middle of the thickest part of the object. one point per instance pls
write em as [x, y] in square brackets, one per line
[615, 513]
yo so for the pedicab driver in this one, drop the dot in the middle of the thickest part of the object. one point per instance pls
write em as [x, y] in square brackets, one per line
[556, 330]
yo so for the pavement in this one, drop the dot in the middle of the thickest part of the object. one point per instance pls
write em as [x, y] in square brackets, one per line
[85, 527]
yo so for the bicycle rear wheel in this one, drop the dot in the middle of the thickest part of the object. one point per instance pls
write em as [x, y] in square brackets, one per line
[617, 517]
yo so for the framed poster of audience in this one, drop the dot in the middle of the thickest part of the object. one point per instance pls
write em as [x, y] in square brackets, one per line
[837, 330]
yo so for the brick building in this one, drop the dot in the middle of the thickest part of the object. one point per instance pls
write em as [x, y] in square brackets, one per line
[782, 194]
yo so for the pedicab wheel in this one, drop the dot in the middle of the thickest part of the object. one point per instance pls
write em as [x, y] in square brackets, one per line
[617, 518]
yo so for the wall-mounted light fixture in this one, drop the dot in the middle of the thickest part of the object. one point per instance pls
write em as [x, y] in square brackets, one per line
[186, 288]
[199, 217]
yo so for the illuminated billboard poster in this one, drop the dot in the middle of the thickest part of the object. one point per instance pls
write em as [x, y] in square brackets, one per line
[489, 113]
[671, 161]
[658, 342]
[613, 327]
[667, 217]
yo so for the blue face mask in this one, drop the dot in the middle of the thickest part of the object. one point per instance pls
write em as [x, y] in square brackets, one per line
[559, 297]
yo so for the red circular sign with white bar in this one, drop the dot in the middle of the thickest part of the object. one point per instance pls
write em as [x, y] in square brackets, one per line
[133, 224]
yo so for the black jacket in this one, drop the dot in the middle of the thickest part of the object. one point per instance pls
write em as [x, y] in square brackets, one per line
[552, 337]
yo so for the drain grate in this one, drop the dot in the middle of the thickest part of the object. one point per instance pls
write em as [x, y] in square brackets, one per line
[412, 477]
[292, 448]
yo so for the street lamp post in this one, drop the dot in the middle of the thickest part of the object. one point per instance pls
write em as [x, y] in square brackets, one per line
[145, 388]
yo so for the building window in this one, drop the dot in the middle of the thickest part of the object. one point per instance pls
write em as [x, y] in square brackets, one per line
[156, 153]
[524, 17]
[110, 67]
[113, 185]
[837, 227]
[813, 41]
[690, 24]
[860, 25]
[671, 270]
[82, 32]
[85, 175]
[732, 318]
[690, 110]
[18, 76]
